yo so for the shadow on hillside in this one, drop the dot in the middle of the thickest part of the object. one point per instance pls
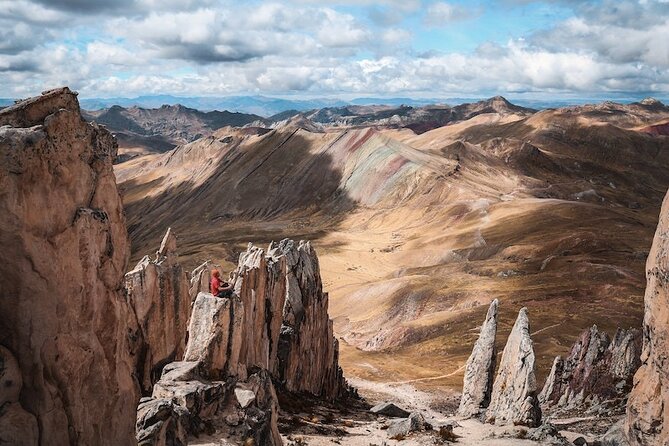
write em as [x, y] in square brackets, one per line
[273, 190]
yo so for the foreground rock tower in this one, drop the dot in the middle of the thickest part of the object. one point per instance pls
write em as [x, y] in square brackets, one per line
[514, 394]
[157, 289]
[273, 330]
[480, 369]
[277, 320]
[647, 421]
[66, 330]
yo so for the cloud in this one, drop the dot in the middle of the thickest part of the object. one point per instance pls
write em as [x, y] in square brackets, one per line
[88, 6]
[218, 47]
[626, 33]
[442, 13]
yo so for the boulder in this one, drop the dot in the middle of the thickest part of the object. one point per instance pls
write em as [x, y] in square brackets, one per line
[596, 370]
[480, 368]
[63, 255]
[414, 423]
[158, 291]
[514, 394]
[547, 434]
[389, 410]
[161, 422]
[647, 418]
[209, 334]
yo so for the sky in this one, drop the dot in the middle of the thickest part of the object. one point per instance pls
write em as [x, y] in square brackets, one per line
[342, 49]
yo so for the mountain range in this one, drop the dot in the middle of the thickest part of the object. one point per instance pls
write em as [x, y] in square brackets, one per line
[141, 130]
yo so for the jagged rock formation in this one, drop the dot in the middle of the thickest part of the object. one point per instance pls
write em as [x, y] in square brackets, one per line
[597, 373]
[647, 421]
[288, 277]
[158, 290]
[200, 277]
[514, 398]
[480, 369]
[275, 320]
[63, 254]
[17, 427]
[278, 317]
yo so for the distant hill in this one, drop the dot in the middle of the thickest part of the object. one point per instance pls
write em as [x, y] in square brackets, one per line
[160, 129]
[418, 119]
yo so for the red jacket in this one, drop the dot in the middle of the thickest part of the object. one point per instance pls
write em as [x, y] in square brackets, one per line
[214, 285]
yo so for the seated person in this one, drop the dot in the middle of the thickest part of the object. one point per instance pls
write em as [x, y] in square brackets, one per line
[217, 287]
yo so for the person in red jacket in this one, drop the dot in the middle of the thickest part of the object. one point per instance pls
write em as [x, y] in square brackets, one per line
[217, 287]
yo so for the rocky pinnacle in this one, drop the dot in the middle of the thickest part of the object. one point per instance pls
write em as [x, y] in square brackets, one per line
[480, 369]
[514, 399]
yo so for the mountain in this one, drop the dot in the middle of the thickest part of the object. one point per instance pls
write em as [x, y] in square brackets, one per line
[260, 105]
[418, 231]
[161, 129]
[418, 119]
[141, 130]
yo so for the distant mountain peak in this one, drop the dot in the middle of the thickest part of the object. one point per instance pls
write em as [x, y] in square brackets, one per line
[650, 101]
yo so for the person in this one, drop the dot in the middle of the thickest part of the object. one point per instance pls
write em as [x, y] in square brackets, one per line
[217, 287]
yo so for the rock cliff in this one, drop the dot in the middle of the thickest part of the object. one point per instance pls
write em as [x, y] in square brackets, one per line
[480, 368]
[514, 393]
[647, 421]
[158, 290]
[597, 374]
[63, 255]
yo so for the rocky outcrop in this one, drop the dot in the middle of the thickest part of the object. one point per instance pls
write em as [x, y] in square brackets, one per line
[158, 290]
[480, 368]
[514, 394]
[647, 420]
[597, 374]
[185, 404]
[63, 255]
[274, 328]
[277, 317]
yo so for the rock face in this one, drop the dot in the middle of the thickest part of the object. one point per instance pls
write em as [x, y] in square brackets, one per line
[597, 373]
[158, 291]
[63, 255]
[480, 369]
[277, 317]
[17, 427]
[514, 398]
[647, 421]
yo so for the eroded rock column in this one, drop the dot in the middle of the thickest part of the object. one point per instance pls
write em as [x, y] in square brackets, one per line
[480, 368]
[514, 394]
[158, 291]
